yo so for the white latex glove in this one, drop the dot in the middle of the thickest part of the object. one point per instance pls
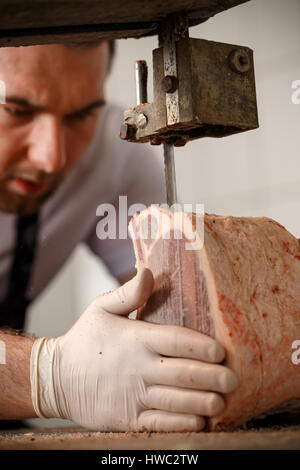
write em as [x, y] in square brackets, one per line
[111, 373]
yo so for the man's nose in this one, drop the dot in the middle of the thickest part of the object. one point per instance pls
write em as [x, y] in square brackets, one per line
[47, 144]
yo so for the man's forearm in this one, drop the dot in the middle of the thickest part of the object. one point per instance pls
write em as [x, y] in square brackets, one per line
[15, 389]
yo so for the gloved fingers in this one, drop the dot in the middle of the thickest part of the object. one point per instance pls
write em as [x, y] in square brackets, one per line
[129, 296]
[163, 421]
[181, 400]
[187, 373]
[178, 341]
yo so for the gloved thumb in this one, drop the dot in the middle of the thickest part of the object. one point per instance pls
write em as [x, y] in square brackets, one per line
[129, 296]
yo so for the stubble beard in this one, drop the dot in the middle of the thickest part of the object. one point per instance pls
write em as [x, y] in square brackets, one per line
[11, 202]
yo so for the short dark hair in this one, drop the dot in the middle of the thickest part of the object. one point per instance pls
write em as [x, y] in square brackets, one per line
[94, 43]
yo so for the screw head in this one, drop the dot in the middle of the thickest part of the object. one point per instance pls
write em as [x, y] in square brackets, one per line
[141, 121]
[181, 141]
[155, 140]
[169, 84]
[239, 61]
[127, 131]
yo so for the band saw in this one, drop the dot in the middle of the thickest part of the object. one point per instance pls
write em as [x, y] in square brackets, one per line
[201, 88]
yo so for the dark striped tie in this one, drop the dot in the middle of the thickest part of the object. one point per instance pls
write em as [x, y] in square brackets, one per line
[13, 307]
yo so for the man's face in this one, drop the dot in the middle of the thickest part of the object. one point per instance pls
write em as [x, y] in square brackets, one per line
[53, 97]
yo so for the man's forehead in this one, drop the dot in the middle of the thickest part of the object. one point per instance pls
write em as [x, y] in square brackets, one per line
[55, 75]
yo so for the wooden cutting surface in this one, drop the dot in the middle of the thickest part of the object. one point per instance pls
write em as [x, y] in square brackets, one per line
[17, 14]
[56, 21]
[71, 439]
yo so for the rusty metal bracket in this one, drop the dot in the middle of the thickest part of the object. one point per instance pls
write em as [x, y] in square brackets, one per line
[173, 28]
[201, 89]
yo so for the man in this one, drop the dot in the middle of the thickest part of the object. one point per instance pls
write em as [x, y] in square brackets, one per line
[60, 158]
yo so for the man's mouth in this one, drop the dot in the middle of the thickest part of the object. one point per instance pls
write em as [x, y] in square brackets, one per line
[26, 187]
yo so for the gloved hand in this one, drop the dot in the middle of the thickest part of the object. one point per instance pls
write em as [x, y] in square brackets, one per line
[111, 373]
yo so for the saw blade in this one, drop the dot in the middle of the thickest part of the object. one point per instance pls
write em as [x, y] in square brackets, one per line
[170, 174]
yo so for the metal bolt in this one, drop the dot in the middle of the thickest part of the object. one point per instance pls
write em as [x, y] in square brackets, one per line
[127, 131]
[239, 61]
[141, 121]
[155, 140]
[141, 75]
[169, 84]
[181, 141]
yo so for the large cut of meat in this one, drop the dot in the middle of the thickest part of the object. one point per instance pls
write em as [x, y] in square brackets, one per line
[242, 288]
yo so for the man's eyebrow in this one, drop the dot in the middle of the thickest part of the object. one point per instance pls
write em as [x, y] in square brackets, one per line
[22, 102]
[88, 107]
[18, 100]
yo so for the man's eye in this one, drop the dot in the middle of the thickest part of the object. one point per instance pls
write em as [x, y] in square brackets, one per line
[81, 115]
[17, 112]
